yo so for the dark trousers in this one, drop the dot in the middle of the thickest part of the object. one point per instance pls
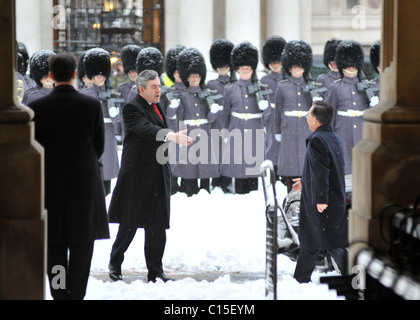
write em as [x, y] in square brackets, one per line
[154, 247]
[223, 182]
[308, 257]
[190, 186]
[76, 260]
[245, 185]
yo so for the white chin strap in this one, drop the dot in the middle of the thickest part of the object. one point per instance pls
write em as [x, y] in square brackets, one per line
[332, 69]
[351, 72]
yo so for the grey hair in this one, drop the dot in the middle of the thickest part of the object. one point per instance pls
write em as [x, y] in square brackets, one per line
[145, 76]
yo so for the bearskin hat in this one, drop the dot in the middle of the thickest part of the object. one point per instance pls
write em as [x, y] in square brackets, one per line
[39, 66]
[81, 72]
[272, 50]
[220, 52]
[149, 59]
[244, 54]
[375, 56]
[191, 60]
[299, 53]
[171, 59]
[97, 61]
[129, 55]
[330, 51]
[20, 63]
[25, 56]
[350, 54]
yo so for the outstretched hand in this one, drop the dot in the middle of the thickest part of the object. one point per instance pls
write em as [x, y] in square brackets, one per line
[297, 186]
[180, 138]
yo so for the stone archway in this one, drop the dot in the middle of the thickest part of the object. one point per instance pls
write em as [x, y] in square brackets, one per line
[22, 218]
[386, 163]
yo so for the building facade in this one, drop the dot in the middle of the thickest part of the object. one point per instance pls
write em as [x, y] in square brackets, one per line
[77, 25]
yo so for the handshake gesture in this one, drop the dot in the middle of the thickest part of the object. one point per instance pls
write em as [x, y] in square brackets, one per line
[180, 138]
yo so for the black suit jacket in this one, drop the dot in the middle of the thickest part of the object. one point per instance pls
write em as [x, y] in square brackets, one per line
[70, 127]
[142, 193]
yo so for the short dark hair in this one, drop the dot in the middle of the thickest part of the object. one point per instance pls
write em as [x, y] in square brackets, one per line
[62, 66]
[323, 112]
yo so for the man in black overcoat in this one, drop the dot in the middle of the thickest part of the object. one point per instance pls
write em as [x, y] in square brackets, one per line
[141, 198]
[323, 218]
[74, 193]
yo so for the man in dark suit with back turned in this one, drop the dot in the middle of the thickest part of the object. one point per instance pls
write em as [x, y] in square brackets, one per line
[322, 218]
[141, 197]
[70, 127]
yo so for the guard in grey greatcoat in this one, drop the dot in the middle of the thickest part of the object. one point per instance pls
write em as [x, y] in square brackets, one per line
[170, 94]
[21, 85]
[194, 114]
[83, 80]
[348, 102]
[129, 55]
[39, 69]
[24, 81]
[271, 53]
[220, 52]
[97, 64]
[330, 51]
[175, 90]
[23, 66]
[148, 58]
[243, 150]
[375, 56]
[292, 105]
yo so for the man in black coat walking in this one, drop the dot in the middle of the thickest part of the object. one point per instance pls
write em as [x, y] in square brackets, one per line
[74, 194]
[141, 198]
[323, 217]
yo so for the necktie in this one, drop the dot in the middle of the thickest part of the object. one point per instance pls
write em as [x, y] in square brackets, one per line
[157, 111]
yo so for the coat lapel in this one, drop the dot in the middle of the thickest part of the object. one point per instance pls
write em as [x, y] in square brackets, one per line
[142, 103]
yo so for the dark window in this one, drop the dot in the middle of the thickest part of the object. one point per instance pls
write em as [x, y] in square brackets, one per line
[352, 3]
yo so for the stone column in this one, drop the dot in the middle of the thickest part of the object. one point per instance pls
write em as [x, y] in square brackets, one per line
[196, 25]
[386, 165]
[33, 27]
[243, 21]
[22, 220]
[306, 20]
[172, 23]
[283, 19]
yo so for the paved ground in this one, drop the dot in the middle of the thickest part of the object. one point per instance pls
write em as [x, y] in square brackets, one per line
[236, 277]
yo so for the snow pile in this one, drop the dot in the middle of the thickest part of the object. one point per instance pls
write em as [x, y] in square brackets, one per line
[210, 233]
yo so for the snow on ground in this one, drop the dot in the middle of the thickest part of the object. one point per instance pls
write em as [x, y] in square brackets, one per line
[222, 233]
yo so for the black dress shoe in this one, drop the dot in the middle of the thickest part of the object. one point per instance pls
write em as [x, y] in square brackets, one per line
[115, 273]
[160, 276]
